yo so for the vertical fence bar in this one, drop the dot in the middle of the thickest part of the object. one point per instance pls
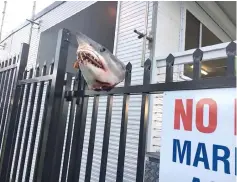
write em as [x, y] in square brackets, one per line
[92, 139]
[103, 164]
[78, 134]
[69, 135]
[124, 123]
[43, 121]
[169, 68]
[5, 100]
[231, 56]
[197, 58]
[45, 111]
[2, 95]
[14, 144]
[144, 119]
[35, 125]
[47, 170]
[28, 125]
[61, 132]
[9, 93]
[1, 76]
[1, 81]
[9, 138]
[22, 124]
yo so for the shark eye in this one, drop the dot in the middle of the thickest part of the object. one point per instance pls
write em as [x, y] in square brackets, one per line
[102, 49]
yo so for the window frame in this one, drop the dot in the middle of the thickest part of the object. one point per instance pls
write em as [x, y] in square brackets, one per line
[204, 19]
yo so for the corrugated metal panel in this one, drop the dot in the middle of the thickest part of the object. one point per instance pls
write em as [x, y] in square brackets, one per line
[20, 37]
[33, 50]
[13, 43]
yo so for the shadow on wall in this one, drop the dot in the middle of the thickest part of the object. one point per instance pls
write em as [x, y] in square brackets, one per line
[97, 21]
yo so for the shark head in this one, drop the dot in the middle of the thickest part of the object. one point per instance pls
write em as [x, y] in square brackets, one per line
[99, 67]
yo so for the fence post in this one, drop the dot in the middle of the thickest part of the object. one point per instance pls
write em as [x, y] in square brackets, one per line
[78, 132]
[124, 124]
[52, 131]
[143, 124]
[9, 136]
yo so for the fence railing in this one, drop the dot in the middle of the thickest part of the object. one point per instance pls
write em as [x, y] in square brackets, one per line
[40, 99]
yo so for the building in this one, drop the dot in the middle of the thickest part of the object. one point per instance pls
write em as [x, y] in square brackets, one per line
[175, 27]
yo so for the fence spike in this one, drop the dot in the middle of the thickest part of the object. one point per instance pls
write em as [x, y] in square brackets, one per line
[129, 66]
[51, 67]
[44, 68]
[231, 58]
[37, 70]
[10, 61]
[31, 71]
[14, 59]
[6, 63]
[197, 58]
[147, 64]
[231, 49]
[169, 68]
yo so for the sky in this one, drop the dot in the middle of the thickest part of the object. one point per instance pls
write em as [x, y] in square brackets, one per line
[17, 12]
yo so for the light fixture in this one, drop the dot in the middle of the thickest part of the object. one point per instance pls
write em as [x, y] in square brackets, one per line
[202, 71]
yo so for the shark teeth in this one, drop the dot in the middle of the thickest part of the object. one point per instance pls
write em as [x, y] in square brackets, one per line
[89, 58]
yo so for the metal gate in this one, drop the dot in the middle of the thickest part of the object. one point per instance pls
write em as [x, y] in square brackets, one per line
[24, 92]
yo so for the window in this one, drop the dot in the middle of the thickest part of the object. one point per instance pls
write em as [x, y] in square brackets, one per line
[192, 32]
[198, 35]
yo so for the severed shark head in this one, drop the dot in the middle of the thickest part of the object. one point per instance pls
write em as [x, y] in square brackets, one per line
[99, 67]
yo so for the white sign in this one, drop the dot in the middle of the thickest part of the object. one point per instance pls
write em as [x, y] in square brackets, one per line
[199, 136]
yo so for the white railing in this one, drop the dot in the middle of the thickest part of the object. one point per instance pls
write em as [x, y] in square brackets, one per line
[213, 52]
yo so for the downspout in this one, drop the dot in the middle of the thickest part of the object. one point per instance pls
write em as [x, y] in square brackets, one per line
[3, 17]
[153, 74]
[144, 38]
[32, 19]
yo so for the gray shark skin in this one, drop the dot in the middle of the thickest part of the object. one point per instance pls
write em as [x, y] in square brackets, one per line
[99, 67]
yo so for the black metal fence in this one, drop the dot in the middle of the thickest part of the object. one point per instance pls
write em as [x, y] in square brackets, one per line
[23, 94]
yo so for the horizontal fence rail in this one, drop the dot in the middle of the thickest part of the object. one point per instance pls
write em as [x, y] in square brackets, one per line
[44, 113]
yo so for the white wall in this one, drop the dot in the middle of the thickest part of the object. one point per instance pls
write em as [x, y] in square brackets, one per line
[167, 41]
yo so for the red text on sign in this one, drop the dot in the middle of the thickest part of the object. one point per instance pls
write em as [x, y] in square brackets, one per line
[186, 115]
